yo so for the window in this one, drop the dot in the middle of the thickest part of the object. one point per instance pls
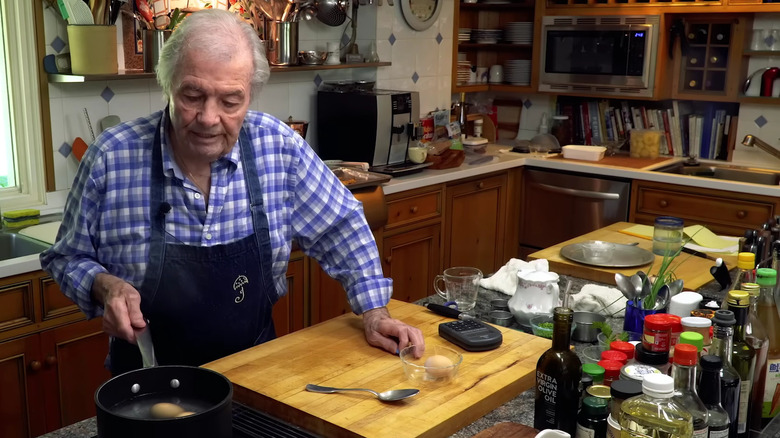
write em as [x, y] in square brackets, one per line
[21, 131]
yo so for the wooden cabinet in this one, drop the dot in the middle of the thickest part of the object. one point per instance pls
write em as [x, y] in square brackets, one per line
[475, 223]
[726, 213]
[289, 313]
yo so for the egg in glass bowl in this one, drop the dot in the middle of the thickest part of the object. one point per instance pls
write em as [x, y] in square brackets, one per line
[438, 365]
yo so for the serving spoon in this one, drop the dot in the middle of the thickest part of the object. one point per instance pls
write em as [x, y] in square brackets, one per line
[387, 396]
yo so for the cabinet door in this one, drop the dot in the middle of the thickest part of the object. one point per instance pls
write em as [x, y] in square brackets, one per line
[21, 395]
[288, 313]
[73, 358]
[476, 223]
[412, 260]
[328, 298]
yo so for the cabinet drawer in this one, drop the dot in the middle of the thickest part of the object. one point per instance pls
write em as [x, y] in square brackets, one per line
[53, 302]
[16, 305]
[413, 208]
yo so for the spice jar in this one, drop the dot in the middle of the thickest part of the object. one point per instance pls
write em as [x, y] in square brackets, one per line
[624, 347]
[657, 332]
[614, 355]
[611, 370]
[595, 371]
[699, 325]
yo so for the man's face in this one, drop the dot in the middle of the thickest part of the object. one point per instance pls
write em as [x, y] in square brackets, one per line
[210, 98]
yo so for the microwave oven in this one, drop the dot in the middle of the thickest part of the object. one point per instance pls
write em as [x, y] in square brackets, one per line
[599, 54]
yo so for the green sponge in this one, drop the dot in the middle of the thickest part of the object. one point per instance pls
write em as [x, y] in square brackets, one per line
[21, 218]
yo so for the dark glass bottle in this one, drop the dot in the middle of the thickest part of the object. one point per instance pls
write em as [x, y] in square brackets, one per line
[743, 356]
[558, 374]
[592, 419]
[729, 378]
[709, 391]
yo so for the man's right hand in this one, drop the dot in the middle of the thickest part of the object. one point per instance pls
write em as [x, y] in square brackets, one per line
[121, 306]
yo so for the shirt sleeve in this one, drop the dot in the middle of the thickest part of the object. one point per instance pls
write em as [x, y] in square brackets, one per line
[330, 226]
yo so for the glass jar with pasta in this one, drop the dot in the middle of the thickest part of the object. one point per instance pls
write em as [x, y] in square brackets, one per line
[647, 143]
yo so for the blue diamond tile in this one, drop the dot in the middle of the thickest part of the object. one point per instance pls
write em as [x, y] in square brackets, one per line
[769, 41]
[391, 39]
[760, 121]
[107, 94]
[439, 38]
[317, 80]
[528, 104]
[64, 149]
[415, 77]
[58, 44]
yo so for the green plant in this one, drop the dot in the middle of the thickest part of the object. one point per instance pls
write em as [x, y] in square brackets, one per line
[607, 330]
[665, 274]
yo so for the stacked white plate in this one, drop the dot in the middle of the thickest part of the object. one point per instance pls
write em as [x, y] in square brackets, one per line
[486, 36]
[517, 71]
[464, 34]
[519, 32]
[464, 71]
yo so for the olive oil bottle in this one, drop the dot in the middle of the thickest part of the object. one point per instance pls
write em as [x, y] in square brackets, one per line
[723, 324]
[743, 357]
[655, 413]
[558, 374]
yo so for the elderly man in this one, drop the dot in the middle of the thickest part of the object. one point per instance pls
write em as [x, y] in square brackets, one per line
[185, 218]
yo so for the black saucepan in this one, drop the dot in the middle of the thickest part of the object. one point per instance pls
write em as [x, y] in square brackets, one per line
[124, 402]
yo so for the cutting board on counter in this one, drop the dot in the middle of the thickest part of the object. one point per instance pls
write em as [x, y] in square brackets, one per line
[695, 271]
[271, 377]
[44, 232]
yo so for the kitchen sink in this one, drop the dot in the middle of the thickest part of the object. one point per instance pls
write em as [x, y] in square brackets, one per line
[725, 172]
[14, 245]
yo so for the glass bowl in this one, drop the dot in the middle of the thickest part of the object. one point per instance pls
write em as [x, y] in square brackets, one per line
[541, 325]
[591, 354]
[439, 364]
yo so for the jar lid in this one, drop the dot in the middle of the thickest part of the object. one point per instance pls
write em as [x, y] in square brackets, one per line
[674, 322]
[686, 354]
[659, 385]
[623, 389]
[739, 298]
[601, 391]
[753, 289]
[615, 355]
[646, 356]
[724, 318]
[710, 362]
[691, 338]
[746, 260]
[766, 276]
[624, 347]
[637, 372]
[595, 405]
[658, 321]
[611, 367]
[696, 322]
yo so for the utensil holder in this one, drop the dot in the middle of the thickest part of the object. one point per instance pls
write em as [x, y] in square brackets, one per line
[281, 42]
[153, 42]
[93, 49]
[635, 319]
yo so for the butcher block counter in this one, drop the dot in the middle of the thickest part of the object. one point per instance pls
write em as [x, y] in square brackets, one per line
[272, 376]
[695, 271]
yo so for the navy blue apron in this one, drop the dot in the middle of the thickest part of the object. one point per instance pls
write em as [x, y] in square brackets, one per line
[203, 303]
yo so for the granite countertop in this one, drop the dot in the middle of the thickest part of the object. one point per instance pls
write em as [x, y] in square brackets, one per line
[518, 410]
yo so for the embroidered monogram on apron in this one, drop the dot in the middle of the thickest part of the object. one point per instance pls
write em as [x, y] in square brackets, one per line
[204, 302]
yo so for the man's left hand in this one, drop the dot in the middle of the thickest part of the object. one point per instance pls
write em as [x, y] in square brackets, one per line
[391, 334]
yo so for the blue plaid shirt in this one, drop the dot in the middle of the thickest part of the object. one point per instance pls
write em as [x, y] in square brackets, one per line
[106, 226]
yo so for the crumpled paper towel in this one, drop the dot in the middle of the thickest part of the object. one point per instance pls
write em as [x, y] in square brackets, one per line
[600, 299]
[505, 279]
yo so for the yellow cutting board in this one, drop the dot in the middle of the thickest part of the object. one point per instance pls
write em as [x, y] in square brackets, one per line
[695, 271]
[271, 377]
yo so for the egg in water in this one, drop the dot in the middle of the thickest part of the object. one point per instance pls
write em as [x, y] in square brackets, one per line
[438, 366]
[166, 410]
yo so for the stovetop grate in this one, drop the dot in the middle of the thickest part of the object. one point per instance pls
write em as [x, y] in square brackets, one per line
[250, 423]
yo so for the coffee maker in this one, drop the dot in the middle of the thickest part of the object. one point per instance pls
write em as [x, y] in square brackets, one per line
[373, 126]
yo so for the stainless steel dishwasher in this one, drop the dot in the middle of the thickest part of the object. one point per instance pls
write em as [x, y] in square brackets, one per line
[558, 206]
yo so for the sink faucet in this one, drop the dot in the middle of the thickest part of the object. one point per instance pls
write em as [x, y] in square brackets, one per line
[751, 140]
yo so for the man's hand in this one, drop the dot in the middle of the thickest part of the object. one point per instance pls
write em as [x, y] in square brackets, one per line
[121, 306]
[391, 334]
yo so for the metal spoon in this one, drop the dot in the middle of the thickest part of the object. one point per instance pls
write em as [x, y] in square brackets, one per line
[625, 286]
[387, 396]
[675, 287]
[662, 298]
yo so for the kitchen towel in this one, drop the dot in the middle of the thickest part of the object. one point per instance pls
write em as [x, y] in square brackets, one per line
[505, 279]
[600, 299]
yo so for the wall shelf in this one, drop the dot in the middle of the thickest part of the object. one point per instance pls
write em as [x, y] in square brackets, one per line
[139, 74]
[759, 100]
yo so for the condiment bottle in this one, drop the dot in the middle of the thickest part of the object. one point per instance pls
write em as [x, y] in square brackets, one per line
[624, 347]
[658, 359]
[743, 356]
[657, 332]
[592, 419]
[757, 336]
[611, 370]
[655, 413]
[620, 391]
[595, 371]
[746, 263]
[684, 375]
[768, 314]
[709, 391]
[558, 374]
[676, 329]
[722, 340]
[614, 355]
[637, 371]
[701, 326]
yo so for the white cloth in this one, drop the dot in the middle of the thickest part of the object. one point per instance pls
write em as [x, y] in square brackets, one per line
[505, 279]
[600, 299]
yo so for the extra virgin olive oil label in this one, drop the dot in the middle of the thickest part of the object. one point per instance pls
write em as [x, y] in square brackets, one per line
[547, 390]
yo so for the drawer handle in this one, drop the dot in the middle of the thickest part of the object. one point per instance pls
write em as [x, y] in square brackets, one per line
[741, 214]
[389, 259]
[50, 360]
[413, 210]
[480, 185]
[663, 203]
[35, 365]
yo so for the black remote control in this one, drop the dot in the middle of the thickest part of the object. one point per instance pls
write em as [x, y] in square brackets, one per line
[471, 334]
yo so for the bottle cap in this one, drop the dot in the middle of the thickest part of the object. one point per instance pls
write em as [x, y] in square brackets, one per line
[694, 339]
[611, 368]
[739, 298]
[674, 322]
[658, 321]
[724, 318]
[766, 276]
[595, 405]
[596, 371]
[637, 372]
[710, 362]
[623, 389]
[624, 347]
[696, 322]
[601, 391]
[614, 355]
[659, 385]
[686, 354]
[646, 356]
[746, 260]
[753, 289]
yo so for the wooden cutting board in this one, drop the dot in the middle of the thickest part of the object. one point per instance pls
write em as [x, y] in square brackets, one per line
[272, 376]
[695, 271]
